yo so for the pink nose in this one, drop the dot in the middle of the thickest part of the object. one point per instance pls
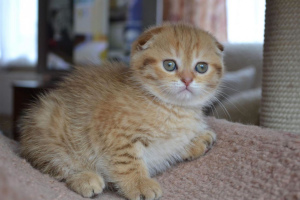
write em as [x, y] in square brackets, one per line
[187, 81]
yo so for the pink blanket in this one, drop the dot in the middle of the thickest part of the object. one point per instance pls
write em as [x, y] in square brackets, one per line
[247, 162]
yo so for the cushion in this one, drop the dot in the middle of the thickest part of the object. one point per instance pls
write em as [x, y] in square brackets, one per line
[237, 55]
[241, 107]
[237, 81]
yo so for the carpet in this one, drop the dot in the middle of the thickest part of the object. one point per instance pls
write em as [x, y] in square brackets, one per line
[247, 162]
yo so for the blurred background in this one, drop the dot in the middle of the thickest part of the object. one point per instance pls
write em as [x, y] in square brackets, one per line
[40, 41]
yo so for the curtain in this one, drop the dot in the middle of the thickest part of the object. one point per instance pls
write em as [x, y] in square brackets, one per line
[18, 32]
[209, 15]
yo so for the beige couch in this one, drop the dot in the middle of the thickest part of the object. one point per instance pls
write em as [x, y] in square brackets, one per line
[240, 96]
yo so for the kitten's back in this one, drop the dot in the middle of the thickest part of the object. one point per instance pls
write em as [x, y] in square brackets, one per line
[57, 124]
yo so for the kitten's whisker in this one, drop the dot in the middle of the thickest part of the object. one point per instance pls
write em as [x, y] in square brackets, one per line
[233, 104]
[211, 104]
[212, 107]
[223, 108]
[228, 87]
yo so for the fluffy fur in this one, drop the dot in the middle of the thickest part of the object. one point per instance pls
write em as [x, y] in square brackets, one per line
[120, 125]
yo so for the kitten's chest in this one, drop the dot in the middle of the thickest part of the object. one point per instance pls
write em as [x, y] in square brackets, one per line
[161, 154]
[168, 149]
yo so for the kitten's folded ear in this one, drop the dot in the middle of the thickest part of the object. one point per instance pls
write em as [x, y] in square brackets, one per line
[144, 41]
[220, 46]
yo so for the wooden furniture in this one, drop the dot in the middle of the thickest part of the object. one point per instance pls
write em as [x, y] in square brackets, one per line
[25, 93]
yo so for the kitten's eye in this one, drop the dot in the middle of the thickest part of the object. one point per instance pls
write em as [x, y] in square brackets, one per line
[201, 67]
[169, 65]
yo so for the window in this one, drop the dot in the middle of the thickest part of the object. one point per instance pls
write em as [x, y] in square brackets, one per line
[245, 21]
[18, 35]
[232, 21]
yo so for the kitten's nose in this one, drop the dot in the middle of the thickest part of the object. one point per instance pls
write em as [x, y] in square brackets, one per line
[187, 81]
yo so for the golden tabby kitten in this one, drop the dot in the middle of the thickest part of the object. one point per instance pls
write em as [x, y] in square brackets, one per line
[113, 124]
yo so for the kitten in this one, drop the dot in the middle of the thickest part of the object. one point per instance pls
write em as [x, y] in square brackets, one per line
[120, 125]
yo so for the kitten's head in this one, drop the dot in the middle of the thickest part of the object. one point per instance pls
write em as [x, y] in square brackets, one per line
[178, 64]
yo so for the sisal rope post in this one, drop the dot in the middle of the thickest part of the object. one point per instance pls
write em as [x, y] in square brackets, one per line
[280, 106]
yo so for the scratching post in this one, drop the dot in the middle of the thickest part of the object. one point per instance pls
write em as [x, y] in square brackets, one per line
[280, 107]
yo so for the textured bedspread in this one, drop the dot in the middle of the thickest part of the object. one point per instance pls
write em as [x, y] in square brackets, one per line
[247, 162]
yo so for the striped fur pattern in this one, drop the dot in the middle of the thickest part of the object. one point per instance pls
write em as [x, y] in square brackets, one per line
[120, 125]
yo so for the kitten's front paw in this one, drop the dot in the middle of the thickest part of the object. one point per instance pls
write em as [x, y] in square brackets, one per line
[209, 139]
[87, 184]
[145, 188]
[200, 145]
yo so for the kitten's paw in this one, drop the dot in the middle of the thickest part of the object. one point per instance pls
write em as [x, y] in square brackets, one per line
[209, 139]
[87, 184]
[200, 145]
[145, 188]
